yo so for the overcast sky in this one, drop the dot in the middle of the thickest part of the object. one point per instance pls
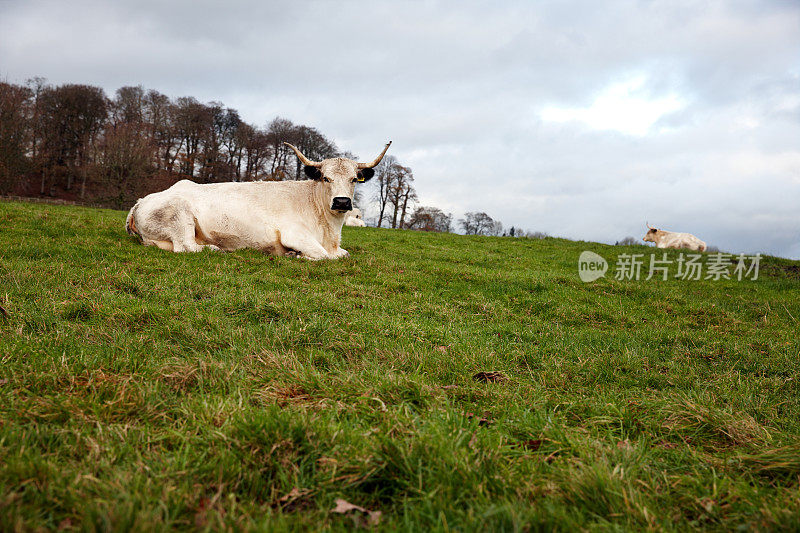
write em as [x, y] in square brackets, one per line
[580, 119]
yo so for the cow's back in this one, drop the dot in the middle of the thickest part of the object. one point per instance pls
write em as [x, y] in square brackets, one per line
[238, 200]
[228, 215]
[682, 240]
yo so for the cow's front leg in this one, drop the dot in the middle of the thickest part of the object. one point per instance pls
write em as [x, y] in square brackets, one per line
[305, 244]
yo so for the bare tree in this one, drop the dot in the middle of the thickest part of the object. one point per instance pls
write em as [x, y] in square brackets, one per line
[220, 125]
[73, 117]
[401, 192]
[232, 143]
[15, 112]
[279, 131]
[495, 228]
[257, 152]
[37, 85]
[127, 152]
[430, 219]
[479, 223]
[128, 106]
[126, 161]
[314, 145]
[160, 114]
[192, 122]
[384, 182]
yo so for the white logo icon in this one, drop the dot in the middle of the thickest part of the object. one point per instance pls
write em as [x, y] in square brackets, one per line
[591, 266]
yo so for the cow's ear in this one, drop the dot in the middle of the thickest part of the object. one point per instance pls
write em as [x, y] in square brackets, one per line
[313, 172]
[365, 174]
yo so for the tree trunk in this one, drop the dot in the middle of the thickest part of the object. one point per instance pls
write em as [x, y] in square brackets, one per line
[382, 199]
[405, 205]
[380, 213]
[394, 212]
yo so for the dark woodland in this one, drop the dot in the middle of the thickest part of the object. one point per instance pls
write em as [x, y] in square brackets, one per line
[73, 142]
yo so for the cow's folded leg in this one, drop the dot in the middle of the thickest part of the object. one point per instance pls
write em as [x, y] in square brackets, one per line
[186, 245]
[184, 231]
[164, 245]
[306, 245]
[314, 252]
[194, 247]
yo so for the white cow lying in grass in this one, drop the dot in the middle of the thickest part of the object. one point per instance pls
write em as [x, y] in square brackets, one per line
[354, 218]
[277, 217]
[670, 239]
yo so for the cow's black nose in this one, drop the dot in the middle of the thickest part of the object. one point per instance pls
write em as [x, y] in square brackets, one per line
[342, 203]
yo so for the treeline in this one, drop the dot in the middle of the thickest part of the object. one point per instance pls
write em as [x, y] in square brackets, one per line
[72, 141]
[75, 143]
[479, 223]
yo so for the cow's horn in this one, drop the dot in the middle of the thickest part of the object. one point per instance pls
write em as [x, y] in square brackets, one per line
[303, 159]
[377, 159]
[649, 226]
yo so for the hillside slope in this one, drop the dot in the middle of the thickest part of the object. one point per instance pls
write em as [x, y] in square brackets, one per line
[143, 389]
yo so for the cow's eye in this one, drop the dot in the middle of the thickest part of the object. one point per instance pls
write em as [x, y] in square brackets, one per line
[325, 179]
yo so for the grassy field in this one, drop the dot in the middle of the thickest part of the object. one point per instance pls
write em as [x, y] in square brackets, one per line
[146, 390]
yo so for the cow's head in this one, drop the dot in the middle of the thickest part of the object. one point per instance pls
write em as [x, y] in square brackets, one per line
[650, 236]
[338, 177]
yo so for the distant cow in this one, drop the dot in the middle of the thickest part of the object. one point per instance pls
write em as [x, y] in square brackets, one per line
[669, 239]
[354, 218]
[277, 217]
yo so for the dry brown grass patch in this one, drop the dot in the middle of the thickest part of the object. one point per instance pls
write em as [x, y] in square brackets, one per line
[690, 419]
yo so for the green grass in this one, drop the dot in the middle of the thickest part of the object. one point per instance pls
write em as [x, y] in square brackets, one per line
[146, 390]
